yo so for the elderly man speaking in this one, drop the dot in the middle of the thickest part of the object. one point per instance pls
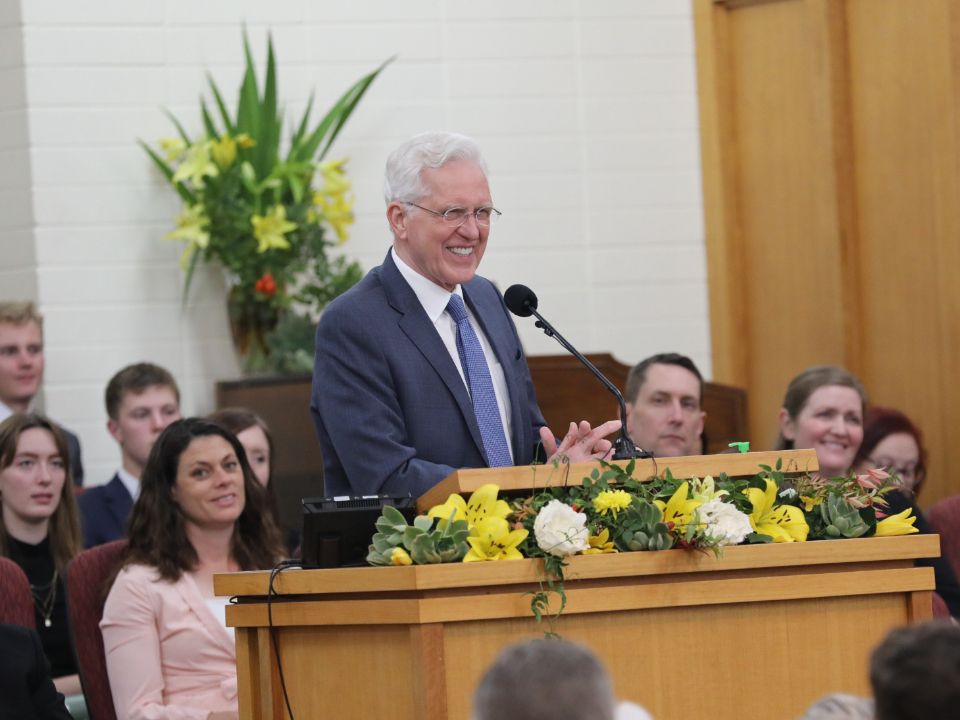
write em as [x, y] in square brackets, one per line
[419, 370]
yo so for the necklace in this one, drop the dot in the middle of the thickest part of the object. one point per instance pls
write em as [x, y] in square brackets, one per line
[44, 605]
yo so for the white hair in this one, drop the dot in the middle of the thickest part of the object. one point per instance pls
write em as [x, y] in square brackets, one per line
[403, 183]
[840, 707]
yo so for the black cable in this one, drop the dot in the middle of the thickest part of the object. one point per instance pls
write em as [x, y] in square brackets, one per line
[280, 567]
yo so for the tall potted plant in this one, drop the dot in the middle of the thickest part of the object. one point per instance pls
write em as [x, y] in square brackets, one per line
[267, 211]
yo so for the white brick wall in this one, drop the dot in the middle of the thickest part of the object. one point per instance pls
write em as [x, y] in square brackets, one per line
[586, 112]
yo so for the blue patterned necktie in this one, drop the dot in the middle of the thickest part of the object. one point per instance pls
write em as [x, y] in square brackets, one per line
[477, 374]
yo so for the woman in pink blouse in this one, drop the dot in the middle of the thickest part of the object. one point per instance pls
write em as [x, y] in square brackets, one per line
[200, 512]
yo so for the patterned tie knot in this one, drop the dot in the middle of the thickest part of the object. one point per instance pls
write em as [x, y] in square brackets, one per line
[456, 309]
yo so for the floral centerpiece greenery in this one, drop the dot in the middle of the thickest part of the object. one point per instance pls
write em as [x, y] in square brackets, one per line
[266, 210]
[613, 512]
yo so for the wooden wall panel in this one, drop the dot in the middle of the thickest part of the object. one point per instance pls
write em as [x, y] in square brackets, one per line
[832, 200]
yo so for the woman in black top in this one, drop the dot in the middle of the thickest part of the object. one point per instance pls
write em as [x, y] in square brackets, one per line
[40, 529]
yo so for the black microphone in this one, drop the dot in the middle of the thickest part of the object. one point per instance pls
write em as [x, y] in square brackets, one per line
[522, 301]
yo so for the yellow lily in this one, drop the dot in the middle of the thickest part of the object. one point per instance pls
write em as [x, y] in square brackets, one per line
[245, 141]
[334, 180]
[495, 540]
[899, 524]
[197, 165]
[224, 151]
[809, 503]
[269, 230]
[705, 490]
[190, 227]
[400, 557]
[679, 510]
[784, 523]
[173, 147]
[612, 500]
[483, 504]
[338, 212]
[600, 544]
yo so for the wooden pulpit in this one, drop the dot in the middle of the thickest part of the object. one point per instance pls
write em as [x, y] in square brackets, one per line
[758, 634]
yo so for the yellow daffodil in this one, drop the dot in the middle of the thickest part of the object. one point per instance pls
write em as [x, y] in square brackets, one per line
[810, 502]
[224, 151]
[173, 147]
[269, 230]
[679, 510]
[245, 141]
[400, 557]
[196, 165]
[600, 544]
[705, 490]
[338, 212]
[784, 523]
[899, 524]
[191, 224]
[483, 504]
[612, 500]
[334, 181]
[494, 540]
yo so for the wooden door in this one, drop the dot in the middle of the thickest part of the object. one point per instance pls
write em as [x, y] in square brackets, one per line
[829, 140]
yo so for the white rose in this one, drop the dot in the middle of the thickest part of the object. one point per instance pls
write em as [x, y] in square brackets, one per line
[561, 530]
[724, 522]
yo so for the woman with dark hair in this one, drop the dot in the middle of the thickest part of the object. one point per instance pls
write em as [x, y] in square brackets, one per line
[200, 512]
[891, 441]
[40, 529]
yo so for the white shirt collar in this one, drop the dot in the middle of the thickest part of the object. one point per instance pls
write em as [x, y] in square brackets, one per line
[129, 482]
[433, 297]
[5, 412]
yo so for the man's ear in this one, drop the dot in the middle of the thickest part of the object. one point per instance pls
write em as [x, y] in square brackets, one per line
[113, 427]
[787, 427]
[703, 417]
[397, 217]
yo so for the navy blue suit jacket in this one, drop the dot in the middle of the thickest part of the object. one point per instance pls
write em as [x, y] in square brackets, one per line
[26, 690]
[103, 513]
[391, 410]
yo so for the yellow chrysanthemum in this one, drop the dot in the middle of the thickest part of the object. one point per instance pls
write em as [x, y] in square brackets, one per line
[269, 230]
[612, 500]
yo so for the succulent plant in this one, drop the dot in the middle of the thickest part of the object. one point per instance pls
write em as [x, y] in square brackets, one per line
[643, 528]
[841, 519]
[426, 543]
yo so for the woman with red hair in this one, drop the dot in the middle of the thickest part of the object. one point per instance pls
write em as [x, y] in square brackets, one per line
[892, 441]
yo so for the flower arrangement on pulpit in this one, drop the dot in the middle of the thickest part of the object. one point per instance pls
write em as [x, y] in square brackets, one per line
[613, 512]
[269, 216]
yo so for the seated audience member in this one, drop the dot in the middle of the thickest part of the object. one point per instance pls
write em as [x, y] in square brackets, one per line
[39, 529]
[824, 409]
[840, 707]
[21, 368]
[254, 435]
[663, 397]
[892, 442]
[141, 401]
[27, 691]
[915, 673]
[200, 512]
[549, 680]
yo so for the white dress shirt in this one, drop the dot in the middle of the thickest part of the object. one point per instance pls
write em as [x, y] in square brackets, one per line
[130, 483]
[5, 412]
[434, 300]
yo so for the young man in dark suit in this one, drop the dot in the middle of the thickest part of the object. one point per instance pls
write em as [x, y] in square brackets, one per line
[141, 401]
[21, 369]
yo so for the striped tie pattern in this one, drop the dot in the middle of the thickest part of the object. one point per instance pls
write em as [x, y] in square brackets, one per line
[477, 374]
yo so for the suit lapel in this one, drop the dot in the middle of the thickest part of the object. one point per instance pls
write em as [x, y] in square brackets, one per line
[486, 306]
[191, 595]
[421, 332]
[119, 503]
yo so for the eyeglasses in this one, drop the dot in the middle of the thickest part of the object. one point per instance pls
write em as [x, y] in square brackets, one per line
[455, 217]
[905, 472]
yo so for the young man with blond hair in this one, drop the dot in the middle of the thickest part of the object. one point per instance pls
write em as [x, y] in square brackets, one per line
[21, 368]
